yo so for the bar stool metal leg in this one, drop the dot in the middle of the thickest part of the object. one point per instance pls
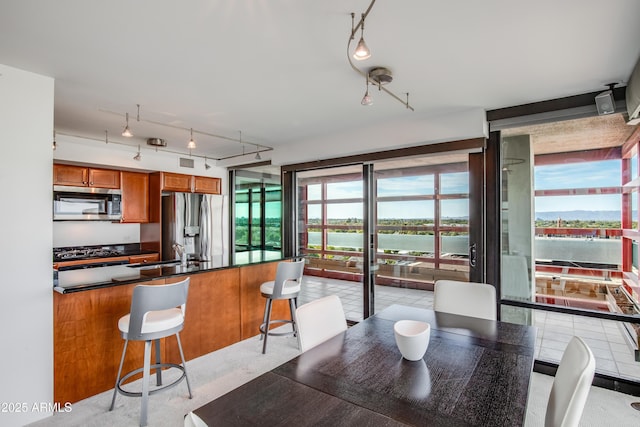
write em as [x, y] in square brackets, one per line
[267, 316]
[158, 362]
[184, 365]
[115, 389]
[146, 374]
[292, 309]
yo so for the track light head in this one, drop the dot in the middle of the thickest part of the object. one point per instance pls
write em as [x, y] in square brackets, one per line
[192, 144]
[127, 132]
[138, 156]
[366, 99]
[362, 51]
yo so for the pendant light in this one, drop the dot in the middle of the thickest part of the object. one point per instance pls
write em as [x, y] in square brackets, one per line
[54, 144]
[362, 51]
[127, 132]
[192, 144]
[206, 165]
[366, 99]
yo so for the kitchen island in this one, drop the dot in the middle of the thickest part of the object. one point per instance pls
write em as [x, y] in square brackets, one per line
[224, 306]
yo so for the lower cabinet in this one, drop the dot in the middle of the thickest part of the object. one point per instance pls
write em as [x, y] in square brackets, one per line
[86, 342]
[141, 259]
[224, 307]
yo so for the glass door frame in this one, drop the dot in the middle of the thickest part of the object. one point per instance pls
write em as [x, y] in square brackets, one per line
[478, 176]
[568, 108]
[263, 180]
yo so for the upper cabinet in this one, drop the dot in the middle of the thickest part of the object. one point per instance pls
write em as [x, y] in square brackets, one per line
[135, 197]
[189, 183]
[204, 184]
[79, 176]
[176, 182]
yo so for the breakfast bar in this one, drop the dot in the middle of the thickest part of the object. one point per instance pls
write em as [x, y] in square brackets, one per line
[224, 306]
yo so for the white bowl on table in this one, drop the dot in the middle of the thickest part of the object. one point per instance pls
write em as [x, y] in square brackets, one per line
[412, 338]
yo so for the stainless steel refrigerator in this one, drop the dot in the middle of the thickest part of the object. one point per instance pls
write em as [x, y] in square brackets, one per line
[192, 225]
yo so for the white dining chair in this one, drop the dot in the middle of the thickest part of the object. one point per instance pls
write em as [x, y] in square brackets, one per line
[192, 420]
[465, 298]
[319, 320]
[571, 385]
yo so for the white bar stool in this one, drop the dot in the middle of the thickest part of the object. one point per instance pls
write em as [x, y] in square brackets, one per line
[157, 311]
[286, 286]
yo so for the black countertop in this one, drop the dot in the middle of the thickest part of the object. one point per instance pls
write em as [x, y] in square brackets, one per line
[85, 279]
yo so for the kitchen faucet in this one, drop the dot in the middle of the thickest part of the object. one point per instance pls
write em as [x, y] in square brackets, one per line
[181, 252]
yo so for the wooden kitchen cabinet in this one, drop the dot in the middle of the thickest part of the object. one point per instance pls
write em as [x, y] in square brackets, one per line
[79, 176]
[190, 183]
[207, 185]
[104, 178]
[135, 197]
[141, 259]
[176, 182]
[70, 175]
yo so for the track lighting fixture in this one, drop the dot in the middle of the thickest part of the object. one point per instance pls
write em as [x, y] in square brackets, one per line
[127, 132]
[192, 144]
[366, 99]
[54, 144]
[106, 136]
[138, 156]
[378, 76]
[160, 144]
[362, 51]
[206, 166]
[258, 157]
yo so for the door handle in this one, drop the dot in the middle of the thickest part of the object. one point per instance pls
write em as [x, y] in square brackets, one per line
[472, 255]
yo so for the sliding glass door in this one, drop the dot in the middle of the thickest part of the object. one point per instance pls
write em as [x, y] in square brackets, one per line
[422, 222]
[384, 231]
[330, 214]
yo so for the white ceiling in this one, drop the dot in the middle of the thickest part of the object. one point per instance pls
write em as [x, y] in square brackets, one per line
[277, 70]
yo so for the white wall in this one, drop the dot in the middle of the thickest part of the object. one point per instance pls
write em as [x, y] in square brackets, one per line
[26, 305]
[413, 129]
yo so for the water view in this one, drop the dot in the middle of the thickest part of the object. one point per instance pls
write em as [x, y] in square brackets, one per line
[604, 251]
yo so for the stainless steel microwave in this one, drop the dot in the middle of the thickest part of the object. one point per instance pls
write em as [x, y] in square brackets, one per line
[86, 203]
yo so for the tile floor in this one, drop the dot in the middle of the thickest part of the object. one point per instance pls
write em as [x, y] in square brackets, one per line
[614, 356]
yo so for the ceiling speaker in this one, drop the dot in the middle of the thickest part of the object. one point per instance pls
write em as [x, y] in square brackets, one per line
[605, 103]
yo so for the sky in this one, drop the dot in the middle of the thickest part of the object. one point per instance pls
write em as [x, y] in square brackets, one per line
[578, 175]
[422, 185]
[604, 173]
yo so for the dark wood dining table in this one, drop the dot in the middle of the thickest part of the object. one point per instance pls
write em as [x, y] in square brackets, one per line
[475, 372]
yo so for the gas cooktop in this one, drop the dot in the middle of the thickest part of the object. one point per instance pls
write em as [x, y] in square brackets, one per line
[68, 254]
